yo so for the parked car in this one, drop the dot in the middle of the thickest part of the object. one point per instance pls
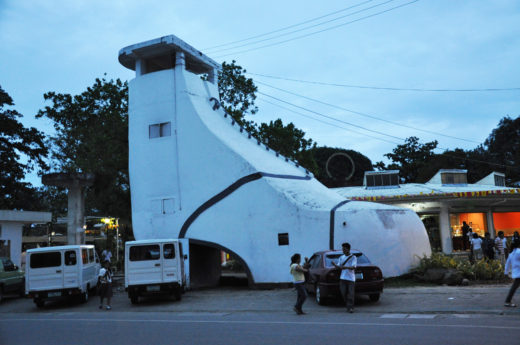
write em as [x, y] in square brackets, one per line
[12, 280]
[61, 272]
[155, 267]
[323, 278]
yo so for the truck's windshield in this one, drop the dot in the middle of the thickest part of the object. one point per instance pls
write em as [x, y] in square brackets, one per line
[143, 253]
[42, 260]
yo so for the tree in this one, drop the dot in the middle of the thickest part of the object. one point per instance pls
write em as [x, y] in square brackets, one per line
[17, 141]
[289, 141]
[339, 167]
[92, 137]
[409, 158]
[237, 94]
[503, 146]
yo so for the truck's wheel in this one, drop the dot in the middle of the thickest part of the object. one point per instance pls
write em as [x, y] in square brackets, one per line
[134, 298]
[177, 293]
[374, 297]
[39, 302]
[83, 298]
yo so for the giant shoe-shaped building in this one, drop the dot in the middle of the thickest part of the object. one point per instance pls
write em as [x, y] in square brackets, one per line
[194, 173]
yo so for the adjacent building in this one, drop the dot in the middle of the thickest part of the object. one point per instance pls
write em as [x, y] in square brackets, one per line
[445, 202]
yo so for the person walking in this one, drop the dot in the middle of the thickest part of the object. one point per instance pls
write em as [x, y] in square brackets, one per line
[513, 268]
[297, 272]
[347, 280]
[105, 288]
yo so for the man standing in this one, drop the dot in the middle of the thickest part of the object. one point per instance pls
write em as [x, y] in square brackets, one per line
[500, 245]
[347, 264]
[465, 238]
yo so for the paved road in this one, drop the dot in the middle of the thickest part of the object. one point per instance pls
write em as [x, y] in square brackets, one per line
[252, 328]
[419, 315]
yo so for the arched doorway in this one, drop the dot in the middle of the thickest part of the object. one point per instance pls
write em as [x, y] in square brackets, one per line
[206, 264]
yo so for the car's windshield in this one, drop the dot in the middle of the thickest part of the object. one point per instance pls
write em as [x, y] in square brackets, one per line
[361, 259]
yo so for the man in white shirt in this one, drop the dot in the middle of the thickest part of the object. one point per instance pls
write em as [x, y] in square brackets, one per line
[106, 255]
[476, 246]
[513, 267]
[347, 264]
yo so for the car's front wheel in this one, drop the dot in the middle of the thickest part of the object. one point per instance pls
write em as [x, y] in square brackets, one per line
[374, 297]
[318, 296]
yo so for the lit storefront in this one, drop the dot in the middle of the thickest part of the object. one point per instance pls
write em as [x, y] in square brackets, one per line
[446, 201]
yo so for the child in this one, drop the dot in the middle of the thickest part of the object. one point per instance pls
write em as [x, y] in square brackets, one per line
[297, 272]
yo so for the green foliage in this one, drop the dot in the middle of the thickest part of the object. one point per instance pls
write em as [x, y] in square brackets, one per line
[288, 141]
[18, 143]
[409, 158]
[237, 94]
[339, 166]
[480, 270]
[92, 137]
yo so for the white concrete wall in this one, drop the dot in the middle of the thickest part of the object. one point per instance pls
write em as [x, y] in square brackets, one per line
[206, 154]
[12, 231]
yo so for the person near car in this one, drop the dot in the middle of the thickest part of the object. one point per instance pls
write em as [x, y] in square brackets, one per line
[347, 264]
[476, 246]
[513, 268]
[297, 272]
[105, 287]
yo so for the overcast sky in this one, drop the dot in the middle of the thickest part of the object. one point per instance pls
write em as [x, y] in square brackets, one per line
[64, 45]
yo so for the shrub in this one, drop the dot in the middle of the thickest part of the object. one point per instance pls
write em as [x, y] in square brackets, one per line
[480, 270]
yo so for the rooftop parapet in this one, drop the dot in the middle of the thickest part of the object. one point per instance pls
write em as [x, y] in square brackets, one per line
[160, 53]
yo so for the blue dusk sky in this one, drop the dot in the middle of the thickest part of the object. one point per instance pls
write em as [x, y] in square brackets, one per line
[362, 75]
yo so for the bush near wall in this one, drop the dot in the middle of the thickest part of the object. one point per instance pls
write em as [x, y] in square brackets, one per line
[484, 270]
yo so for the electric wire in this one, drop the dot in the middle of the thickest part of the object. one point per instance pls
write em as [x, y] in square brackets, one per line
[305, 28]
[384, 134]
[320, 31]
[328, 123]
[367, 115]
[386, 88]
[287, 27]
[330, 117]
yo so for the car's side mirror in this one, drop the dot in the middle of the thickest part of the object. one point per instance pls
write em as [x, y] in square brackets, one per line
[15, 268]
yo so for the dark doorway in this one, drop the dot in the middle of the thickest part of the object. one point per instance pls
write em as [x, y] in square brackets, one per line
[431, 223]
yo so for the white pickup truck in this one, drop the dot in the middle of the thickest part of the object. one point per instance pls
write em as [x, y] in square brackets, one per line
[155, 267]
[61, 271]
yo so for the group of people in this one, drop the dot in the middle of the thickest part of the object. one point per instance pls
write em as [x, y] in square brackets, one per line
[346, 263]
[486, 247]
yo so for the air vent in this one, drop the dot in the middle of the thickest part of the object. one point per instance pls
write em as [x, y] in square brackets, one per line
[382, 179]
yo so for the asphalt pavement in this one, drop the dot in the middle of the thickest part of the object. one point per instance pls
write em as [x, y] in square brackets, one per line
[475, 299]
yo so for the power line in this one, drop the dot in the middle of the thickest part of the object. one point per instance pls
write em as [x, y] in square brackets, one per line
[370, 136]
[305, 28]
[317, 32]
[330, 117]
[288, 27]
[386, 88]
[368, 115]
[328, 123]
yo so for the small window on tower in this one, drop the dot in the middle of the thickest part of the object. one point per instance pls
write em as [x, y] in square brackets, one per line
[160, 130]
[283, 239]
